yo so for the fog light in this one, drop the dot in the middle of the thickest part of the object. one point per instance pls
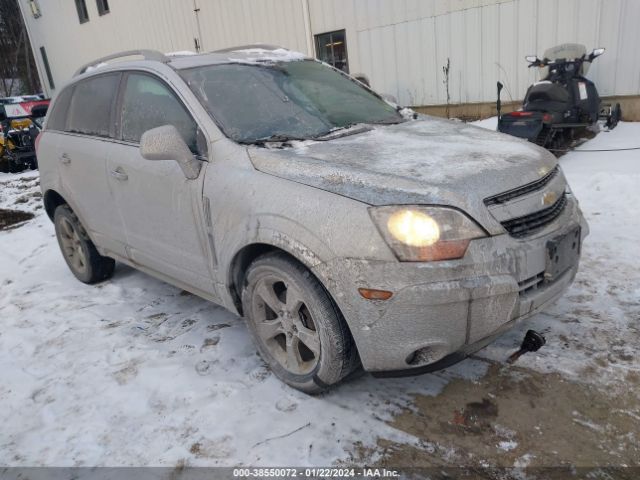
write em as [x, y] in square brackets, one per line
[427, 355]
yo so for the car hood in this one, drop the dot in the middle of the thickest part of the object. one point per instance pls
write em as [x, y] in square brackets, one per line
[429, 161]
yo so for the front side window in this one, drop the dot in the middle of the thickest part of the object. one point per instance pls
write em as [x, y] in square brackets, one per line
[294, 100]
[148, 103]
[91, 104]
[83, 13]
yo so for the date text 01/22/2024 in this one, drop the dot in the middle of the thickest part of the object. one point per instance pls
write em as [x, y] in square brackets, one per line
[315, 473]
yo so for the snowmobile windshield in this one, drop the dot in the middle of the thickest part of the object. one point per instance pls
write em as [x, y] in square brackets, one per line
[255, 103]
[567, 52]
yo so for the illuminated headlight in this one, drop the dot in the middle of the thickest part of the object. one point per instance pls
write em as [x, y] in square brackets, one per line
[426, 234]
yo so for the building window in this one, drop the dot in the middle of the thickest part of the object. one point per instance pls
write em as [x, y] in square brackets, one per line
[103, 7]
[331, 48]
[47, 68]
[83, 13]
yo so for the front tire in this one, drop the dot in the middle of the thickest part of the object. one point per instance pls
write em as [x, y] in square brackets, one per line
[298, 329]
[81, 255]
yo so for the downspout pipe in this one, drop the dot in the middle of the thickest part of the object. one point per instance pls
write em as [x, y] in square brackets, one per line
[306, 13]
[196, 10]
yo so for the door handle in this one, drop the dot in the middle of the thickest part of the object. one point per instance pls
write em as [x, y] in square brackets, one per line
[119, 175]
[65, 159]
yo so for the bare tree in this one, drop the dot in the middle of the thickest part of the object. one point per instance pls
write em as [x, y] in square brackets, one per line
[17, 65]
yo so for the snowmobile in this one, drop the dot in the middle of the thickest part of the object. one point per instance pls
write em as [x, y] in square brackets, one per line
[20, 129]
[563, 104]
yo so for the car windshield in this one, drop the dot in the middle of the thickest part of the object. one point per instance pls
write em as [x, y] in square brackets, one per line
[284, 101]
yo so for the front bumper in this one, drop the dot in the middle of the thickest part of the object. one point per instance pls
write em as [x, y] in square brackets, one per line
[447, 310]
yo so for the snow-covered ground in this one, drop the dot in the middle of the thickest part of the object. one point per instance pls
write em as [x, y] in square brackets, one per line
[136, 372]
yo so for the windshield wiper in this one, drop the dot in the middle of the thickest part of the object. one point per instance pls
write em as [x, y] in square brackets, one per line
[337, 132]
[277, 138]
[389, 122]
[345, 131]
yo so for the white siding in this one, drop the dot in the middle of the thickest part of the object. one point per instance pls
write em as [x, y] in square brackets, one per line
[485, 41]
[401, 45]
[165, 25]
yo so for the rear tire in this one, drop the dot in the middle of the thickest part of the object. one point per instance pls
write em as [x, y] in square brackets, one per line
[81, 255]
[298, 329]
[14, 167]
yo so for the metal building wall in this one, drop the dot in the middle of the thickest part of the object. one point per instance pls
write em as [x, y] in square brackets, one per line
[164, 25]
[160, 24]
[401, 45]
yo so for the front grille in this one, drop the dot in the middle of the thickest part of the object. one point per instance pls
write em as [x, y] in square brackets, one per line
[529, 224]
[531, 284]
[521, 191]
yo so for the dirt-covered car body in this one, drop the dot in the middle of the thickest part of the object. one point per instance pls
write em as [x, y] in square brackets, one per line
[326, 202]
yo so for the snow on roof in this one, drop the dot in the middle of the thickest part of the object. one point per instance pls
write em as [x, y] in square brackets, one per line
[96, 67]
[261, 55]
[181, 53]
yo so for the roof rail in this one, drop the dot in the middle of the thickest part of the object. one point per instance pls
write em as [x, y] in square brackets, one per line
[147, 54]
[263, 46]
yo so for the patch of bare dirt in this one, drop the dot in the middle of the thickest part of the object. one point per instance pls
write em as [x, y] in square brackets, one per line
[515, 417]
[13, 218]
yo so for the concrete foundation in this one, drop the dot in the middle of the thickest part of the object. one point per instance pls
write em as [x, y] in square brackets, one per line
[475, 111]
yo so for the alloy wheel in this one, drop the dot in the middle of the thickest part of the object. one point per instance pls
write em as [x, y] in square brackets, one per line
[285, 325]
[72, 246]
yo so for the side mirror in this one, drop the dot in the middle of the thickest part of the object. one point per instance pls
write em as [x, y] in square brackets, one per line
[166, 143]
[597, 52]
[531, 58]
[39, 111]
[362, 78]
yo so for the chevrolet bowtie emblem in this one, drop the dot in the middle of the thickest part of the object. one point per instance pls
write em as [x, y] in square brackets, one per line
[549, 199]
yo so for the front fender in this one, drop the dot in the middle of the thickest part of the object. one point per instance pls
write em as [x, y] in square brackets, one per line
[288, 235]
[278, 233]
[262, 232]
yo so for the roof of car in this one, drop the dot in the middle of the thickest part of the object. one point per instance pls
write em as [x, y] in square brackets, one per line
[247, 54]
[252, 54]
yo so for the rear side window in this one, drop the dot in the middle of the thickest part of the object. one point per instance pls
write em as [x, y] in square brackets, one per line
[91, 104]
[58, 115]
[148, 103]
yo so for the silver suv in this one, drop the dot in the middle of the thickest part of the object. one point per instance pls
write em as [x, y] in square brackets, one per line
[347, 231]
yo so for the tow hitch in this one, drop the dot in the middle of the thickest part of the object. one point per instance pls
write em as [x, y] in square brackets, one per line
[533, 341]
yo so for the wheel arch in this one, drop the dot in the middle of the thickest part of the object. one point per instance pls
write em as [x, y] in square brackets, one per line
[53, 200]
[243, 259]
[246, 255]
